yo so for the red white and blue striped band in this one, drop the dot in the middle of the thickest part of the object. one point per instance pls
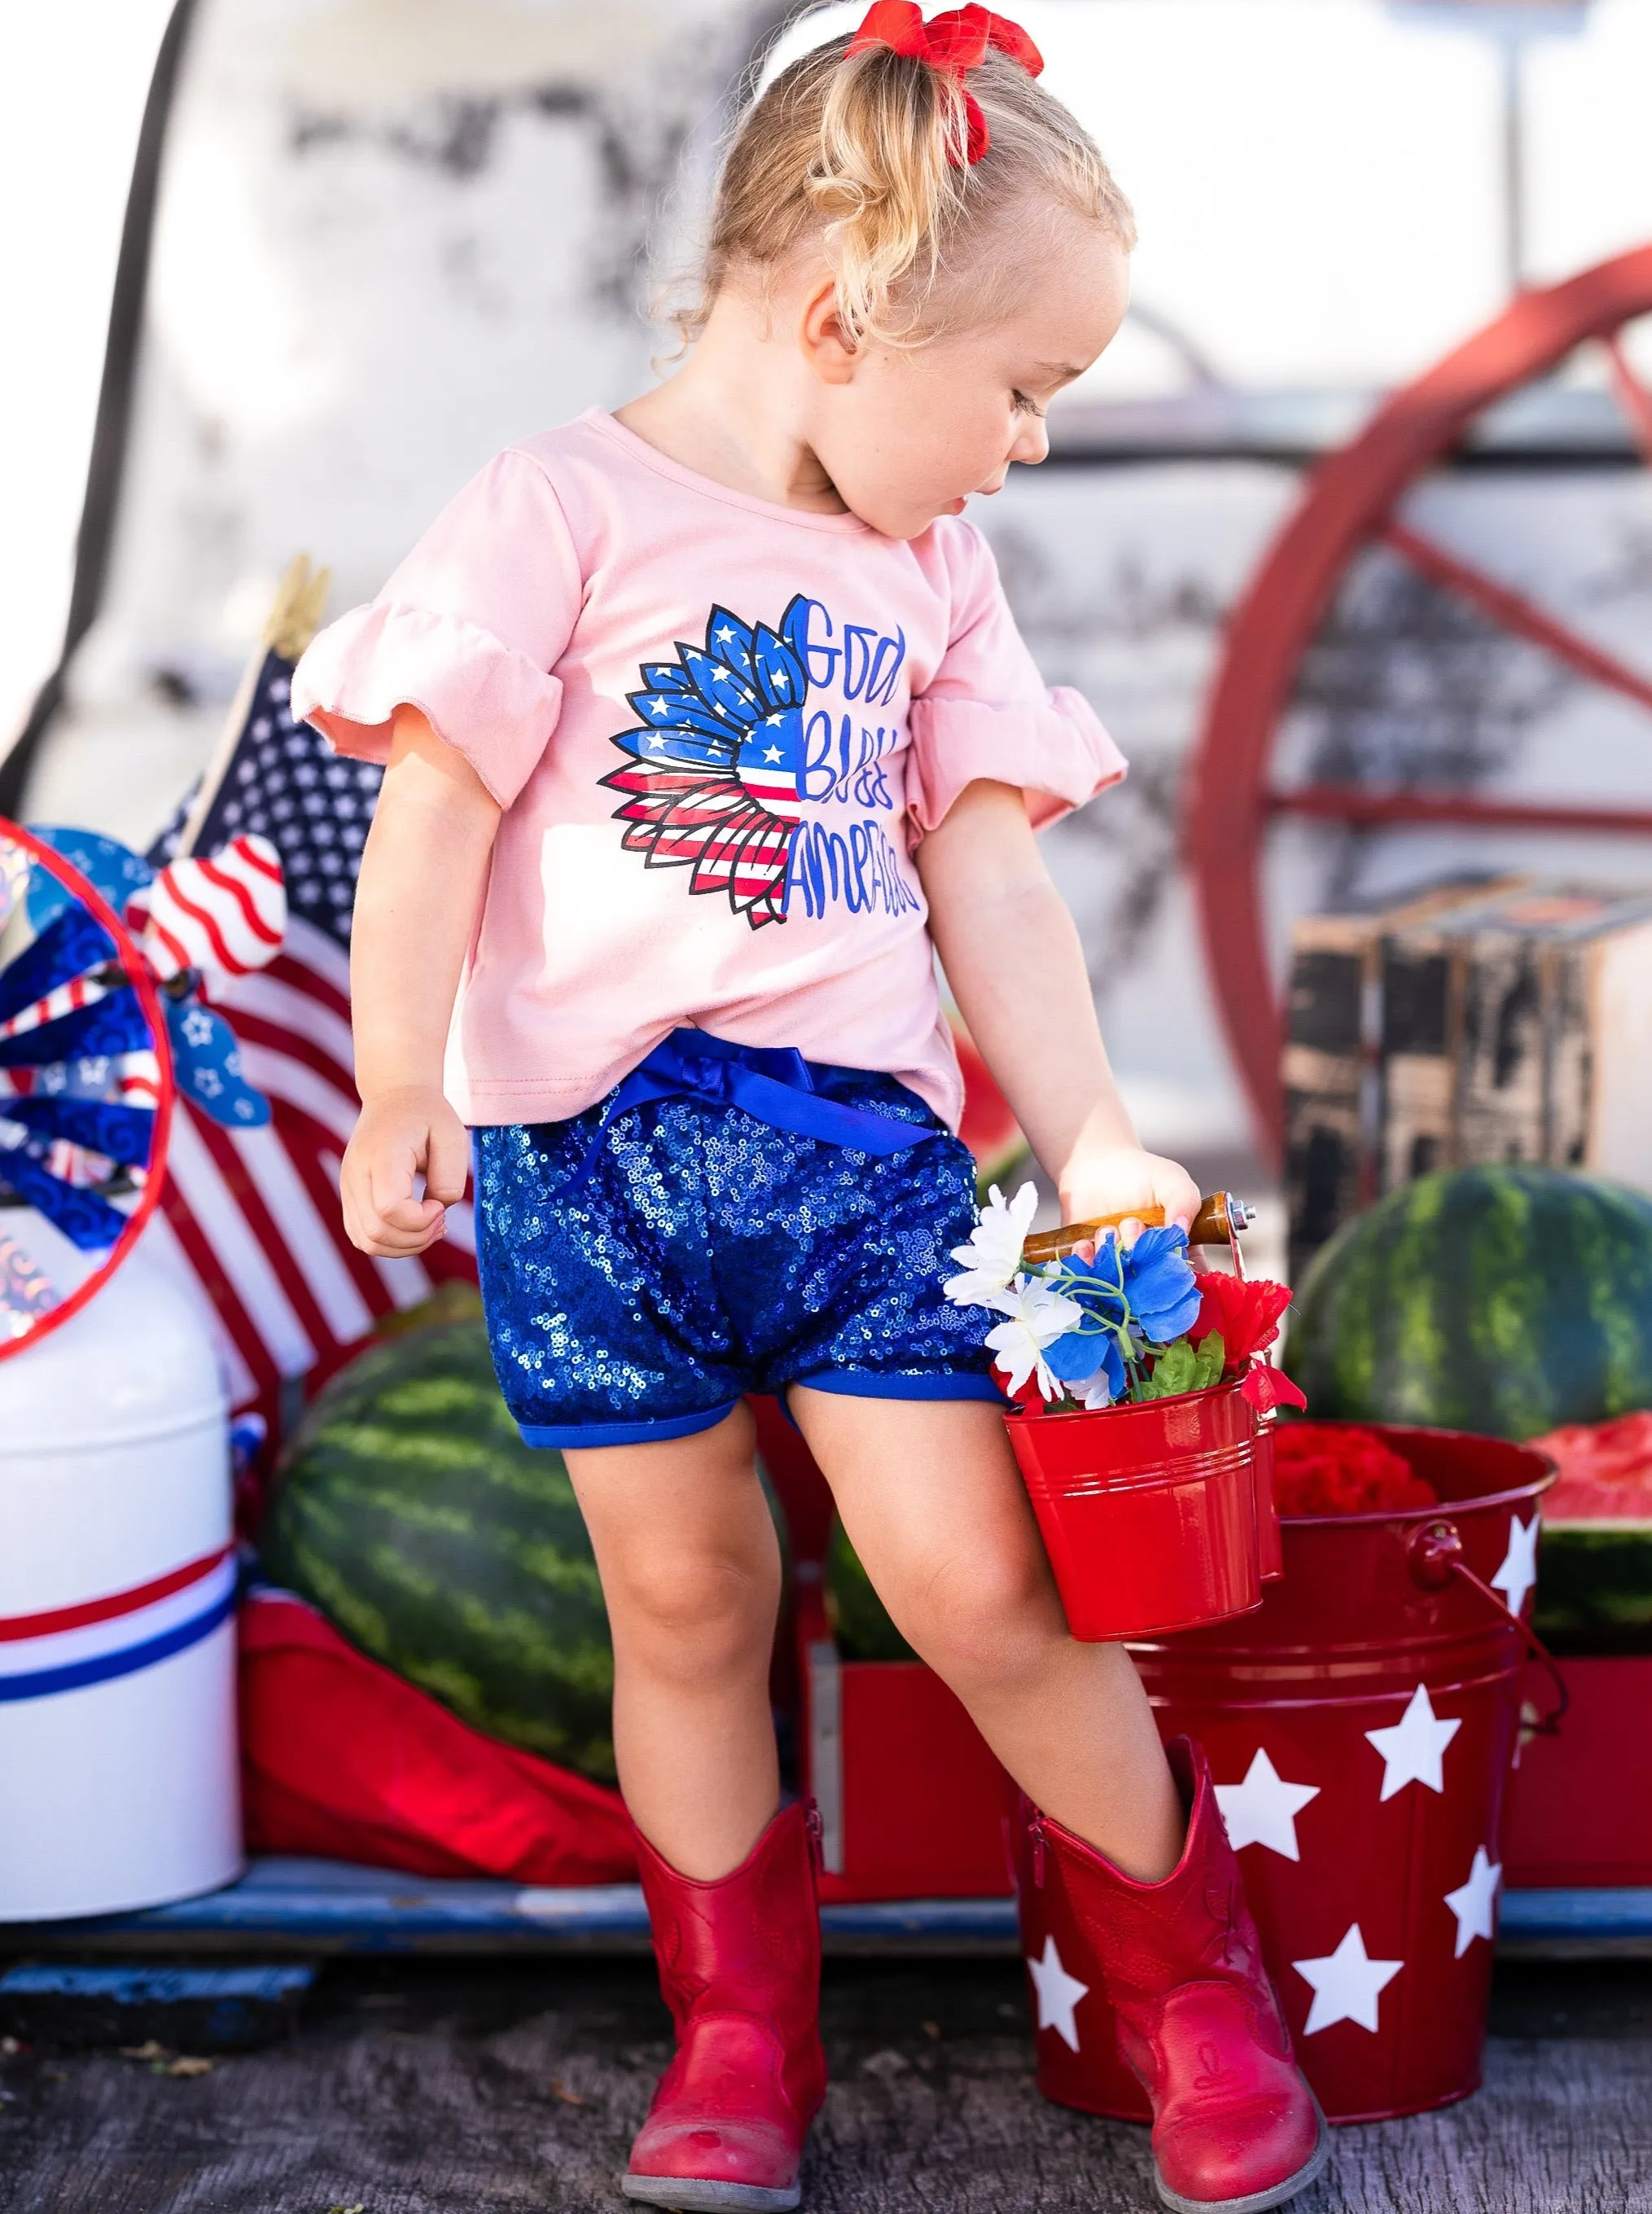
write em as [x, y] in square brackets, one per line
[68, 1648]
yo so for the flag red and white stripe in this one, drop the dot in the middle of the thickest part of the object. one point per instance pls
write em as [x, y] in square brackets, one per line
[253, 1216]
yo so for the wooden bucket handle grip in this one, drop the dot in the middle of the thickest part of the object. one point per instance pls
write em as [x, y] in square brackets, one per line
[1218, 1222]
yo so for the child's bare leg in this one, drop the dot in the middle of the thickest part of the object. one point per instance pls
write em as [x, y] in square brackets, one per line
[691, 1572]
[933, 1505]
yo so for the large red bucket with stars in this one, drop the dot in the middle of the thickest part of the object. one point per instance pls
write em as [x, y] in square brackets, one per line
[1362, 1727]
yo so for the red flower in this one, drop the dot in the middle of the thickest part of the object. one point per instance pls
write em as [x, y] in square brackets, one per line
[1267, 1388]
[1029, 1396]
[1246, 1312]
[1334, 1468]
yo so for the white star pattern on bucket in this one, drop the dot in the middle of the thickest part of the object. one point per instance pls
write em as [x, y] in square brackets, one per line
[1475, 1902]
[1058, 1994]
[1519, 1571]
[1264, 1809]
[1413, 1748]
[1346, 1983]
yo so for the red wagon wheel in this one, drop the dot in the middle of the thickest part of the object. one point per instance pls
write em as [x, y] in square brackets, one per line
[1348, 504]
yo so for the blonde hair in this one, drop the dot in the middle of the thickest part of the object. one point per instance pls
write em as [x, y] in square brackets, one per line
[866, 153]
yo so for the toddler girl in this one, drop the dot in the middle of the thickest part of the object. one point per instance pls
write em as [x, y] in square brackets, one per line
[707, 727]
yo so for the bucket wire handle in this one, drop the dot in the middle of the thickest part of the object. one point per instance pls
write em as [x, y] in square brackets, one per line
[1436, 1559]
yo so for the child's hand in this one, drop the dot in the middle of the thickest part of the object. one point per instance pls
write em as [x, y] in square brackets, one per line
[1119, 1179]
[401, 1137]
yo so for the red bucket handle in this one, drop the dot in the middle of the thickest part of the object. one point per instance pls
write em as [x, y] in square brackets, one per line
[1437, 1559]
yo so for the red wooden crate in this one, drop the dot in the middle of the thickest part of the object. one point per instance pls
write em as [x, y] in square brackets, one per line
[1579, 1814]
[912, 1804]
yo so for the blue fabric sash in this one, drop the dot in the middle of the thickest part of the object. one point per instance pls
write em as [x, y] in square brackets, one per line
[774, 1084]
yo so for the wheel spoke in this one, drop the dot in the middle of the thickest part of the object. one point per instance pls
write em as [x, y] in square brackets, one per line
[1361, 804]
[1515, 612]
[1633, 395]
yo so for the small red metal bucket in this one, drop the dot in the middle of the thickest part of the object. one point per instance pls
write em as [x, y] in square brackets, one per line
[1361, 1727]
[1148, 1513]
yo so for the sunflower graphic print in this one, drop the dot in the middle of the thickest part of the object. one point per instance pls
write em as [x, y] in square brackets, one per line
[714, 779]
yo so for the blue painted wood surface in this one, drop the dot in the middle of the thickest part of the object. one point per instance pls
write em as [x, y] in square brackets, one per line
[340, 1907]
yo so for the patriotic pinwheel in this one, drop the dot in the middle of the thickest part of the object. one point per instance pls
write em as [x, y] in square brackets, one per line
[194, 921]
[716, 772]
[102, 962]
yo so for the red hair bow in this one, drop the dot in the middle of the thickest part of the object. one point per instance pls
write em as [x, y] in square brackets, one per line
[954, 43]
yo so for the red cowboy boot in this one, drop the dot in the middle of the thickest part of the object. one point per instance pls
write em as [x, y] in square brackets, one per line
[1235, 2128]
[739, 1966]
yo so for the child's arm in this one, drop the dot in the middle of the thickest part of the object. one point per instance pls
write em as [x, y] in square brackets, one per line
[1013, 959]
[422, 876]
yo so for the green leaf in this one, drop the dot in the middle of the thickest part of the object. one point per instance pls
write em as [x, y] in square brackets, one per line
[1177, 1369]
[1212, 1354]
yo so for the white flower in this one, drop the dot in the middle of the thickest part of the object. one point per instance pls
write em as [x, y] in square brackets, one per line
[1095, 1391]
[1037, 1317]
[994, 1253]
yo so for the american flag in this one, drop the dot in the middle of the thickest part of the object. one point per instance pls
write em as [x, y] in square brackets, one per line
[253, 1215]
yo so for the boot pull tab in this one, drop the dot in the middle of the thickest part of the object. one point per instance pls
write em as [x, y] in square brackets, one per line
[815, 1831]
[1035, 1831]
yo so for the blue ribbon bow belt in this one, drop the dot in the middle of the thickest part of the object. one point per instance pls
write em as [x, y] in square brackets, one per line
[774, 1084]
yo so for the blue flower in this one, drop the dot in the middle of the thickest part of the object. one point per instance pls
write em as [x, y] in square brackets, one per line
[1160, 1284]
[1098, 1285]
[1079, 1354]
[1090, 1364]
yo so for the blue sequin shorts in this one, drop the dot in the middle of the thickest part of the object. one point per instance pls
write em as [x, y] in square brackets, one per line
[640, 1290]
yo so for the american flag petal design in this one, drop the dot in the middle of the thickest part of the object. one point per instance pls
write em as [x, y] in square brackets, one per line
[715, 780]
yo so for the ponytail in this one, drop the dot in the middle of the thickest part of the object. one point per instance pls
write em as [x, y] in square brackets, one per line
[887, 180]
[869, 153]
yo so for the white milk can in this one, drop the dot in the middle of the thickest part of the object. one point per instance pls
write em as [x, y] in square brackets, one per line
[119, 1781]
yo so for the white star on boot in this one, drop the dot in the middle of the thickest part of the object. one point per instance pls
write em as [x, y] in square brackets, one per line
[1412, 1749]
[1475, 1902]
[1264, 1809]
[1345, 1984]
[1519, 1571]
[1058, 1994]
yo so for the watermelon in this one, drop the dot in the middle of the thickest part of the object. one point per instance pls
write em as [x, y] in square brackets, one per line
[859, 1617]
[1506, 1301]
[408, 1510]
[1595, 1591]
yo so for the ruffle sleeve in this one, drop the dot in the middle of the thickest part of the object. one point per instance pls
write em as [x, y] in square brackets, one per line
[467, 631]
[987, 713]
[1055, 748]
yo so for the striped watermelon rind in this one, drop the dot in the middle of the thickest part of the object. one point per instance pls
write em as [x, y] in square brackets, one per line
[1594, 1587]
[861, 1621]
[1506, 1301]
[408, 1510]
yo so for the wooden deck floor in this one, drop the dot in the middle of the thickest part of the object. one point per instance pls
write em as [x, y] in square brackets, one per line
[432, 2087]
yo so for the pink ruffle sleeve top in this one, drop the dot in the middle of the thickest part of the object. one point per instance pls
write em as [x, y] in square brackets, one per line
[718, 729]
